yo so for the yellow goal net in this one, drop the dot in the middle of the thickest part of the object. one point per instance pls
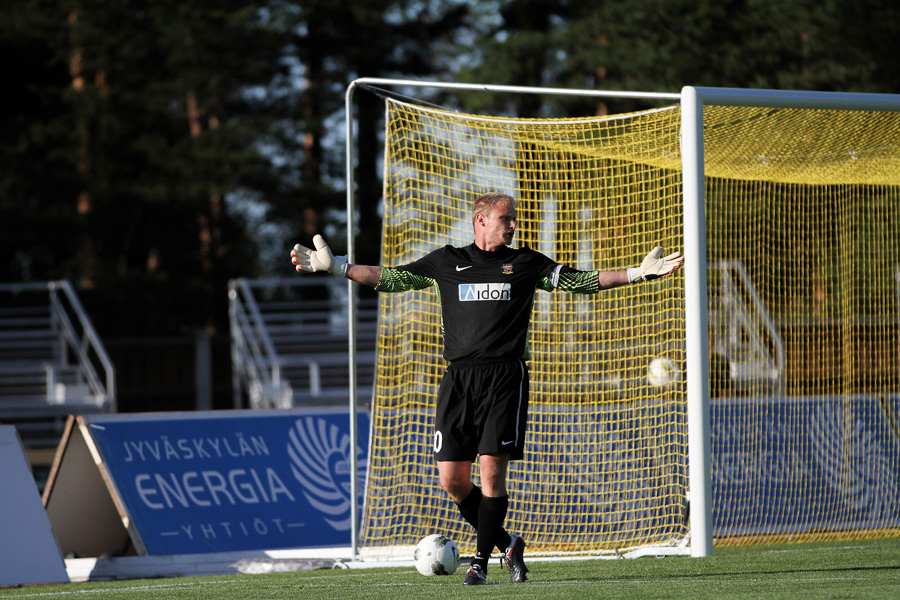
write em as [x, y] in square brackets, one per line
[802, 232]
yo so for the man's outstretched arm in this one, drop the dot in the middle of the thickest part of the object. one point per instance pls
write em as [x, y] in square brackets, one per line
[364, 274]
[306, 260]
[652, 267]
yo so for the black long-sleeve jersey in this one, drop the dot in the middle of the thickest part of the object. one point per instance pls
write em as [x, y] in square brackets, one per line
[486, 298]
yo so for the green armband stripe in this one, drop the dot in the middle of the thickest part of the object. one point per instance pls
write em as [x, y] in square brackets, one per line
[580, 282]
[393, 280]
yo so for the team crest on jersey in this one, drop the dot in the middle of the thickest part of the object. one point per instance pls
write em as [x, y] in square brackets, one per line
[506, 269]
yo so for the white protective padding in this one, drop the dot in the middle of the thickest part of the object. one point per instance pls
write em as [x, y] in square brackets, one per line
[28, 551]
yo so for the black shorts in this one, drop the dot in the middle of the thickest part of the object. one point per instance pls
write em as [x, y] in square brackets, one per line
[482, 408]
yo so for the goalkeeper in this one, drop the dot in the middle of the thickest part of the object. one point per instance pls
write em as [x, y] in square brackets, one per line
[486, 291]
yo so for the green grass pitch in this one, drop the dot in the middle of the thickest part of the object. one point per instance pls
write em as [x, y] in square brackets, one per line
[855, 569]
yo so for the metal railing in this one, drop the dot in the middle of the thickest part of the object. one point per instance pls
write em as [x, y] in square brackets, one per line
[290, 340]
[52, 335]
[255, 364]
[743, 330]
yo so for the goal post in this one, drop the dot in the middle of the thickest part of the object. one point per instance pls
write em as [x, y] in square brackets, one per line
[785, 427]
[693, 101]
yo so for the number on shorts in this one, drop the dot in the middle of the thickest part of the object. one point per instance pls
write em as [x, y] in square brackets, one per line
[438, 441]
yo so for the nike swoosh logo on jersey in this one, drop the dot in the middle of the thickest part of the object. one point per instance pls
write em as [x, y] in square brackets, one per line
[507, 443]
[459, 268]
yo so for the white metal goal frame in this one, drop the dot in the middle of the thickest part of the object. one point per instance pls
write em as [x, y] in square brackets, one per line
[692, 100]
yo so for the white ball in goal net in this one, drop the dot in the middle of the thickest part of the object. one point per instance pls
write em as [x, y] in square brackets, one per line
[663, 372]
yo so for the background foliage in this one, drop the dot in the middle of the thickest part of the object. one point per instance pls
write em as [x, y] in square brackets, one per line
[150, 151]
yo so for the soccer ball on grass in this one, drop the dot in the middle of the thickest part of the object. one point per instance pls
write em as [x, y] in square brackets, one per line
[436, 555]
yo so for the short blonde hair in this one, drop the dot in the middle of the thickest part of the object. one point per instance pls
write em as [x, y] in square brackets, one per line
[485, 204]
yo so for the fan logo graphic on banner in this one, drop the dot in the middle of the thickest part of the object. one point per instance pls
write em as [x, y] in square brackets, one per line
[854, 463]
[320, 461]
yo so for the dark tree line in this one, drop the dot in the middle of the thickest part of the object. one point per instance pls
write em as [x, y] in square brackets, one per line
[144, 144]
[146, 147]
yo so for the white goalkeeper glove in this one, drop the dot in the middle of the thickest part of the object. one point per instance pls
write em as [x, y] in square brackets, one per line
[320, 259]
[655, 265]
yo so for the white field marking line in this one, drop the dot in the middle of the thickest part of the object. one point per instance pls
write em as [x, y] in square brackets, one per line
[143, 588]
[126, 588]
[664, 581]
[816, 549]
[442, 582]
[733, 581]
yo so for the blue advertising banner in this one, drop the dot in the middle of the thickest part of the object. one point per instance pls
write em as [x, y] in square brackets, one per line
[794, 464]
[800, 464]
[779, 465]
[233, 480]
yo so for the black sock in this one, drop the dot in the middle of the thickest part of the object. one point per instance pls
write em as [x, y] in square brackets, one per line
[481, 561]
[468, 508]
[491, 515]
[502, 540]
